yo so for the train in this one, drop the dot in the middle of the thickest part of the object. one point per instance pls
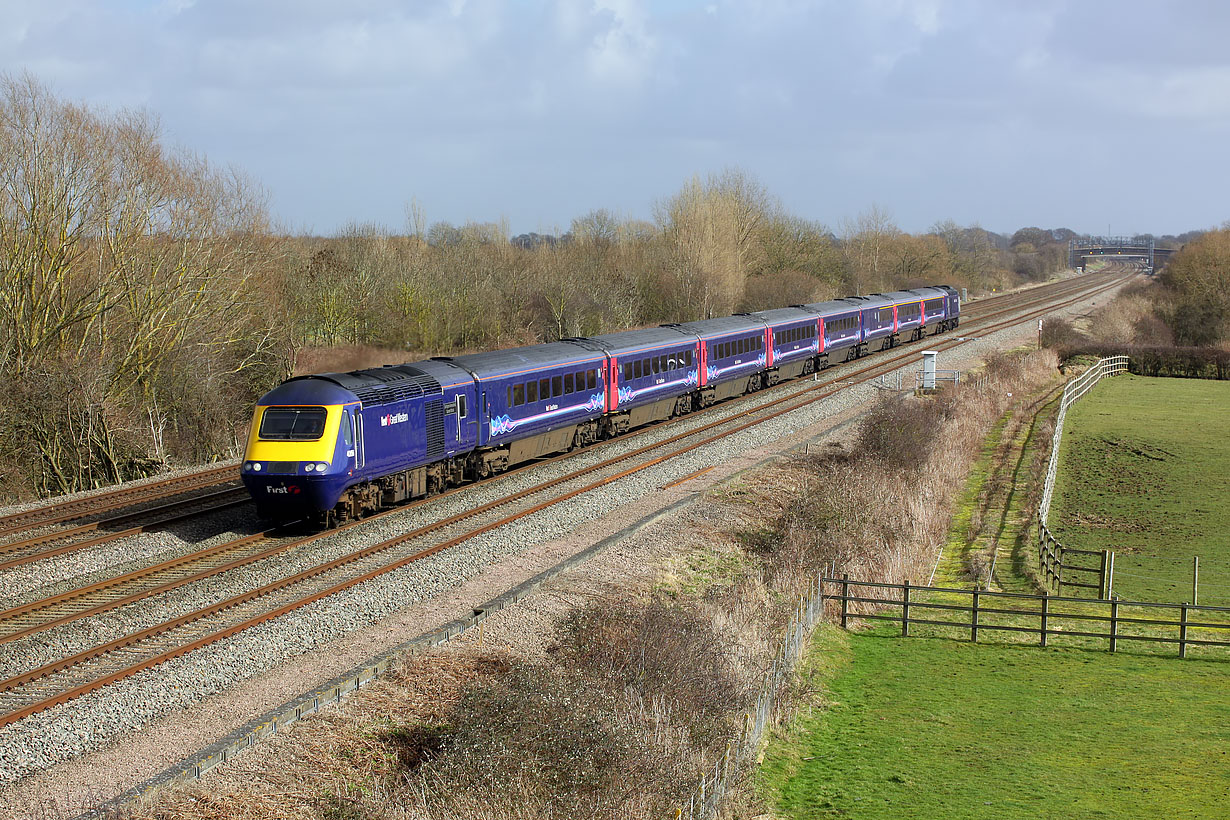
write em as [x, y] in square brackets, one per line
[334, 447]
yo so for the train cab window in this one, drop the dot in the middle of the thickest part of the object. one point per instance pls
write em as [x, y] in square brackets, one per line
[348, 429]
[293, 423]
[568, 383]
[531, 392]
[461, 405]
[518, 393]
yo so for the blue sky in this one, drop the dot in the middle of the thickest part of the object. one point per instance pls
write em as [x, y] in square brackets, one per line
[1007, 113]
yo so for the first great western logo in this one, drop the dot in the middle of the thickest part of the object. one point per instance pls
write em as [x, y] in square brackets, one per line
[389, 419]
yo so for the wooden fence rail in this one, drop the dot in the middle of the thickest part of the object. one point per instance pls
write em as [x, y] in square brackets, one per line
[1068, 620]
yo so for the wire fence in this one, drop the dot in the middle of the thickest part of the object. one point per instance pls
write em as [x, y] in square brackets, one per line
[741, 751]
[1051, 552]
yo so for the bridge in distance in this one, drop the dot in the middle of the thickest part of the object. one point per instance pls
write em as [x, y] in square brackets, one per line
[1085, 248]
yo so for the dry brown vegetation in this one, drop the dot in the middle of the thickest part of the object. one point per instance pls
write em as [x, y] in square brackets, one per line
[637, 690]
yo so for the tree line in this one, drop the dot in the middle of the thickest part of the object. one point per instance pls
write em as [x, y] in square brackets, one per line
[148, 297]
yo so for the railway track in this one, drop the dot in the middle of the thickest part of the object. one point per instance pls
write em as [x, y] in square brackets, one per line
[59, 542]
[65, 678]
[62, 542]
[118, 498]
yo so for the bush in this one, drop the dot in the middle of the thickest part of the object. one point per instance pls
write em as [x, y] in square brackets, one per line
[901, 431]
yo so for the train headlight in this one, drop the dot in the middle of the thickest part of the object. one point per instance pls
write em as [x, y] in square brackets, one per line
[256, 465]
[320, 468]
[247, 466]
[309, 467]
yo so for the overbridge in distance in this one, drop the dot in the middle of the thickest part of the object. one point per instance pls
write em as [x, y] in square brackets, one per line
[1082, 249]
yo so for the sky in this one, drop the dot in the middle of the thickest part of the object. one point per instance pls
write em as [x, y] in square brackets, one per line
[1103, 117]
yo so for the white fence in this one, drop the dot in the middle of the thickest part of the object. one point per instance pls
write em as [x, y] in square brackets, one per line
[1110, 366]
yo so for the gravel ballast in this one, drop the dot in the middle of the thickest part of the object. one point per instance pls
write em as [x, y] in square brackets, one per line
[151, 720]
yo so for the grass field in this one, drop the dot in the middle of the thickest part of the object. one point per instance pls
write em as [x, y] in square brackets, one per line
[1145, 471]
[932, 728]
[929, 727]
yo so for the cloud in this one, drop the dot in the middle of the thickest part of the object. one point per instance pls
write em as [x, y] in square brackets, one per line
[624, 51]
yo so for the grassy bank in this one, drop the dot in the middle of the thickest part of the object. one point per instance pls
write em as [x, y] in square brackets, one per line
[1145, 471]
[933, 728]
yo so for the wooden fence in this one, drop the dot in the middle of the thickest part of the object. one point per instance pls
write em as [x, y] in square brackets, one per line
[1061, 567]
[976, 611]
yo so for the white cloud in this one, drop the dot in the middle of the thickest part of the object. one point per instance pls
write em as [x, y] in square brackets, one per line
[622, 54]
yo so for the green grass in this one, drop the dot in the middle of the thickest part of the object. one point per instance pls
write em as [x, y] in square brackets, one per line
[933, 728]
[1145, 471]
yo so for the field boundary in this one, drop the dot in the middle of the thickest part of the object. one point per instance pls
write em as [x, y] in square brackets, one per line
[1051, 552]
[1123, 620]
[716, 780]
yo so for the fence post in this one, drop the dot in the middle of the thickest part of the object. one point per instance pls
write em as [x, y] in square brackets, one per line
[1114, 624]
[1059, 567]
[1046, 609]
[1196, 579]
[1183, 632]
[1102, 577]
[1110, 575]
[845, 598]
[973, 630]
[905, 609]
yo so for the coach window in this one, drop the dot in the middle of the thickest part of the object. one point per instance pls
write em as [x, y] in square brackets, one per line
[662, 364]
[552, 387]
[638, 368]
[568, 383]
[627, 371]
[518, 394]
[544, 389]
[591, 378]
[531, 392]
[687, 358]
[654, 364]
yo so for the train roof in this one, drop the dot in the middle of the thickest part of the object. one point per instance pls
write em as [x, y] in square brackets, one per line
[899, 296]
[777, 316]
[833, 307]
[514, 360]
[709, 328]
[378, 385]
[631, 341]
